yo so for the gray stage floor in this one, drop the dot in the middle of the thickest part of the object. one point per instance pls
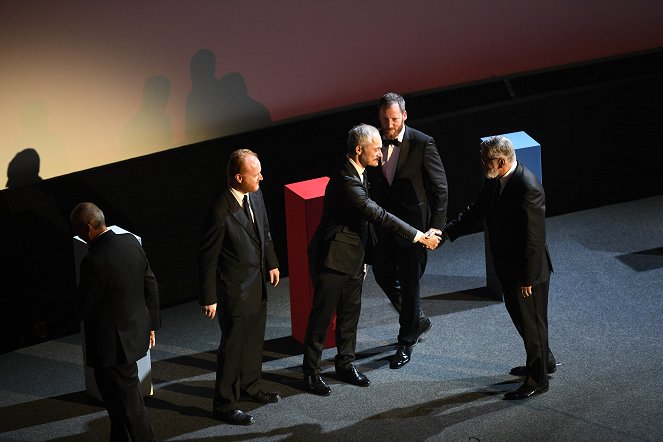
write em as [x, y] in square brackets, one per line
[606, 306]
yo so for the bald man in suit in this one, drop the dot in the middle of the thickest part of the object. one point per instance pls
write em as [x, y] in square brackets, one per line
[118, 301]
[236, 262]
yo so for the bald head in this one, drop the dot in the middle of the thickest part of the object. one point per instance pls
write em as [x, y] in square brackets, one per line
[88, 221]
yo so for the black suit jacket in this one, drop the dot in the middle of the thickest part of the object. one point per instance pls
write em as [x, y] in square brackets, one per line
[516, 227]
[118, 300]
[418, 193]
[340, 240]
[234, 261]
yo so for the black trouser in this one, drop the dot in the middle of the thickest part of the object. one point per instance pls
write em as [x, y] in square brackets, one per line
[120, 391]
[397, 271]
[339, 293]
[530, 317]
[239, 359]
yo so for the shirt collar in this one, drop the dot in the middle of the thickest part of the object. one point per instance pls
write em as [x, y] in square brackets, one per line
[360, 170]
[239, 196]
[505, 178]
[401, 135]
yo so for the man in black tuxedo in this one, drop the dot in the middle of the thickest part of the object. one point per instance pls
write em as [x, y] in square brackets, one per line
[337, 256]
[118, 301]
[513, 206]
[410, 183]
[236, 260]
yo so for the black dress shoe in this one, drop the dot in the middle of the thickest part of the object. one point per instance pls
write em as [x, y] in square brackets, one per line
[524, 392]
[401, 357]
[522, 370]
[233, 417]
[424, 326]
[265, 397]
[353, 376]
[316, 385]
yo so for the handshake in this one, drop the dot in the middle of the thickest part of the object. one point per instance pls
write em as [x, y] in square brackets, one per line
[432, 239]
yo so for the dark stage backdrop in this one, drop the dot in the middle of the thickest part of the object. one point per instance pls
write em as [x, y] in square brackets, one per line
[598, 124]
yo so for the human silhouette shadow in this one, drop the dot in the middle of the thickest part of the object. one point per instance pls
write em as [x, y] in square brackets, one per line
[219, 107]
[37, 276]
[150, 129]
[34, 257]
[23, 169]
[240, 112]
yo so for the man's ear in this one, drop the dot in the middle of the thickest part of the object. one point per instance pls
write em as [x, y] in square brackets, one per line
[358, 149]
[238, 178]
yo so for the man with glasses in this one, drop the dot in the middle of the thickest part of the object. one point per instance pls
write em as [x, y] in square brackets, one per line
[512, 205]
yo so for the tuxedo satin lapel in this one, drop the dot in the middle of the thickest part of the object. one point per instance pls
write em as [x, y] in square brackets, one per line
[404, 151]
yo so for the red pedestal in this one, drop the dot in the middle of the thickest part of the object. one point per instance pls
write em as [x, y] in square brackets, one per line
[303, 210]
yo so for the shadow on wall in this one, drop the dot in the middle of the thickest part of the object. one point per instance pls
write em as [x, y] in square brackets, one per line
[150, 129]
[37, 279]
[219, 107]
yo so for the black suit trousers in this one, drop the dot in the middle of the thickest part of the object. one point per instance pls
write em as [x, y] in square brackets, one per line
[239, 359]
[530, 317]
[120, 391]
[398, 271]
[340, 293]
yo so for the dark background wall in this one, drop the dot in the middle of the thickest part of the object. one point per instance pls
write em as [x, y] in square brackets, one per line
[599, 125]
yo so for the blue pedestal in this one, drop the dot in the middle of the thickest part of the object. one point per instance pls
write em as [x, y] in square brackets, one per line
[528, 153]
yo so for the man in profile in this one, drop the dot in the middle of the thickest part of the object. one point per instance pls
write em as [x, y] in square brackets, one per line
[118, 301]
[337, 254]
[236, 261]
[512, 205]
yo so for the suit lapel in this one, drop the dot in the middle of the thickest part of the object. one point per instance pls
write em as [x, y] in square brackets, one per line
[352, 171]
[404, 151]
[238, 213]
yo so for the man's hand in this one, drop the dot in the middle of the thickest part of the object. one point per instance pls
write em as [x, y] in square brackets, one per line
[274, 277]
[430, 242]
[209, 310]
[152, 339]
[435, 232]
[526, 291]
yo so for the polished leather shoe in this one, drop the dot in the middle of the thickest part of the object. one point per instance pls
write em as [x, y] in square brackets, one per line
[424, 326]
[524, 392]
[522, 370]
[316, 385]
[233, 417]
[401, 357]
[353, 376]
[266, 397]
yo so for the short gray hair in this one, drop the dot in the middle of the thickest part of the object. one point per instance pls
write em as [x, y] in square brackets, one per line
[87, 213]
[498, 147]
[361, 135]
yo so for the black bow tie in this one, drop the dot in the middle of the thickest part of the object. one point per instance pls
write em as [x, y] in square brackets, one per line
[395, 142]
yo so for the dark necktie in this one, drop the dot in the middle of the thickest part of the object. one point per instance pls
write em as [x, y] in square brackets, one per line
[247, 211]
